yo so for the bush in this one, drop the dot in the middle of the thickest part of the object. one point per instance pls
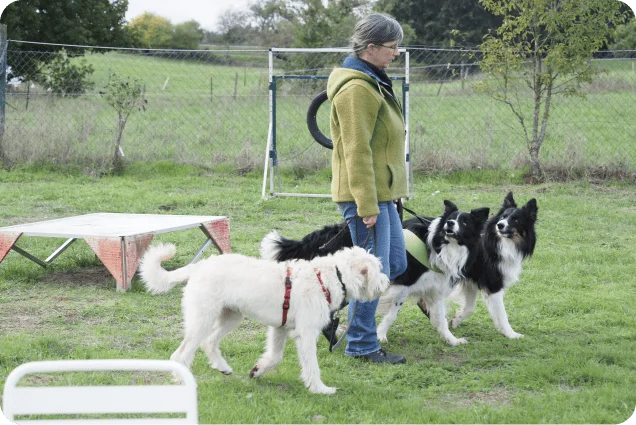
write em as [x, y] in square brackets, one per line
[65, 78]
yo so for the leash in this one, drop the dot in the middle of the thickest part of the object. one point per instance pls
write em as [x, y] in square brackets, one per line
[425, 221]
[336, 321]
[323, 246]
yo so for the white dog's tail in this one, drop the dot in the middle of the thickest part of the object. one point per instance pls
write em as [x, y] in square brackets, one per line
[156, 279]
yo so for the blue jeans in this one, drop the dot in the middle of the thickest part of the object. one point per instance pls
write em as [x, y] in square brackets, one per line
[389, 248]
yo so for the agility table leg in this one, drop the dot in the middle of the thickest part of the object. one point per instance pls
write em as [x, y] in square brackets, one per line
[120, 256]
[7, 241]
[219, 233]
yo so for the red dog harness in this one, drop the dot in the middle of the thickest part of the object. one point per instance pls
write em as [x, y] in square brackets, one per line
[288, 285]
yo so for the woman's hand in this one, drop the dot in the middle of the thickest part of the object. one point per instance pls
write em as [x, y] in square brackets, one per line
[370, 220]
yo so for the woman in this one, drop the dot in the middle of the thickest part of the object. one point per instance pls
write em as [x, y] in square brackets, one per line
[368, 163]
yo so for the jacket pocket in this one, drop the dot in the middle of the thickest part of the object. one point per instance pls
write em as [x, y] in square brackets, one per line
[397, 181]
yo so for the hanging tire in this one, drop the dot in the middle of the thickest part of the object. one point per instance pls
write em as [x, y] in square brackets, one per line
[312, 123]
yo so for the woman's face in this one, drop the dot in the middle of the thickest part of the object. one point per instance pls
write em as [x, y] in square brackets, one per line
[381, 55]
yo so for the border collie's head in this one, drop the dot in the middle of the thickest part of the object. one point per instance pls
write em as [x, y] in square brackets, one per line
[513, 222]
[462, 226]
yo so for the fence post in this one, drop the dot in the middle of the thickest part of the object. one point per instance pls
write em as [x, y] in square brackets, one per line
[3, 91]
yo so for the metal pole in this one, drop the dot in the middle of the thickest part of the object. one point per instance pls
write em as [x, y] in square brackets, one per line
[270, 136]
[410, 189]
[3, 89]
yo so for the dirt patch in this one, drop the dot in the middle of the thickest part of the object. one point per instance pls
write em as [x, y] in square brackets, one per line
[85, 276]
[22, 322]
[496, 397]
[455, 359]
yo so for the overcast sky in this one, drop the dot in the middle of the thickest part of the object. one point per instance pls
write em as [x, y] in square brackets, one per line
[205, 12]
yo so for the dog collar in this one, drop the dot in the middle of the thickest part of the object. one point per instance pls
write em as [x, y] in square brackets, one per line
[417, 248]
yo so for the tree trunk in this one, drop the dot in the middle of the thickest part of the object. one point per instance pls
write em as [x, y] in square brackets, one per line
[536, 172]
[118, 163]
[535, 143]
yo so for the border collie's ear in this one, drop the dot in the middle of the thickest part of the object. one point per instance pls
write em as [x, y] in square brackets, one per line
[480, 214]
[449, 207]
[532, 209]
[509, 201]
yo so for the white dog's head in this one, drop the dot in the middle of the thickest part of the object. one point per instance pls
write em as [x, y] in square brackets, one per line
[361, 274]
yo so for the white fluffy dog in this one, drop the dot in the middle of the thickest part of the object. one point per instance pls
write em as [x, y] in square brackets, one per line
[223, 289]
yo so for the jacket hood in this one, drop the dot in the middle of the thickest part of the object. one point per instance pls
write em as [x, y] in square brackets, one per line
[352, 68]
[340, 76]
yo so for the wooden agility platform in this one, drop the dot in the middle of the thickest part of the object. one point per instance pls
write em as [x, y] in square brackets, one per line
[118, 240]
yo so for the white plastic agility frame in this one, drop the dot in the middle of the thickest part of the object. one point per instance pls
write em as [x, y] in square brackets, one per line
[271, 157]
[150, 400]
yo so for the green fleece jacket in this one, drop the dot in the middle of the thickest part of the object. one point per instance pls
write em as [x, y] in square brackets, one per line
[367, 131]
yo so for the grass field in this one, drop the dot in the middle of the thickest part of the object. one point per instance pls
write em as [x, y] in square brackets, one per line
[205, 113]
[575, 303]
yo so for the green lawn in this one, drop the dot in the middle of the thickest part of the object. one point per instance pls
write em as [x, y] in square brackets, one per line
[575, 302]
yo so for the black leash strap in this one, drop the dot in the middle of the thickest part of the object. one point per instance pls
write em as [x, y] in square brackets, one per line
[334, 323]
[399, 206]
[425, 221]
[326, 244]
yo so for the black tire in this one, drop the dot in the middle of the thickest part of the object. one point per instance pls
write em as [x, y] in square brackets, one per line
[312, 124]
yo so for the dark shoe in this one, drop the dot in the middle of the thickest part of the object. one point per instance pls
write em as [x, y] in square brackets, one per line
[382, 356]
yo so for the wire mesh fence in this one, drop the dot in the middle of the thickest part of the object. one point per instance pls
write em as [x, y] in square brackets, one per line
[211, 106]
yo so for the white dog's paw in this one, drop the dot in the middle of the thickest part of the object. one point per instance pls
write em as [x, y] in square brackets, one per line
[322, 389]
[456, 321]
[225, 371]
[257, 371]
[513, 335]
[382, 337]
[458, 341]
[222, 367]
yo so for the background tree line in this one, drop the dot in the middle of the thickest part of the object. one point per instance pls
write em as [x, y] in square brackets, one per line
[281, 23]
[558, 38]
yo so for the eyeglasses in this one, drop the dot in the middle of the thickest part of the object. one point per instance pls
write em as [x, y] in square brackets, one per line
[396, 47]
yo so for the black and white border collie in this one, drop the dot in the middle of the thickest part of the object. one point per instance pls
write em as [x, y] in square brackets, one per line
[451, 241]
[508, 239]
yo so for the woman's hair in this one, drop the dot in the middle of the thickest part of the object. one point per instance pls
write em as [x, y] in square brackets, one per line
[376, 28]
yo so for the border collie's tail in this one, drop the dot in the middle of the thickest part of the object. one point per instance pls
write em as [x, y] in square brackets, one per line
[156, 279]
[318, 243]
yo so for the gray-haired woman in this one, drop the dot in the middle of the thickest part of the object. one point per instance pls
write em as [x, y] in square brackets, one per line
[368, 163]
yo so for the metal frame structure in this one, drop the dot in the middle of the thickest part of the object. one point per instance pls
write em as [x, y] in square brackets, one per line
[271, 168]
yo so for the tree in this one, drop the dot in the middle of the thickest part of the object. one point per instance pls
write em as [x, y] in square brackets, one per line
[79, 22]
[320, 24]
[234, 26]
[435, 20]
[187, 35]
[549, 45]
[625, 37]
[267, 14]
[152, 31]
[125, 95]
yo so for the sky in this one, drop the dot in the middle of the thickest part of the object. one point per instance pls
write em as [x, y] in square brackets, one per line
[205, 12]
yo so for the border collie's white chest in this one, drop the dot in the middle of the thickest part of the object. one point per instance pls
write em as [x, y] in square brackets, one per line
[510, 265]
